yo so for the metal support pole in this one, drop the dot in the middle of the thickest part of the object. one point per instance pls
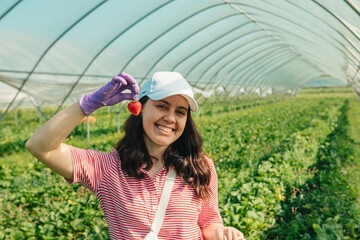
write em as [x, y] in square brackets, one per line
[88, 129]
[109, 116]
[246, 101]
[118, 122]
[16, 117]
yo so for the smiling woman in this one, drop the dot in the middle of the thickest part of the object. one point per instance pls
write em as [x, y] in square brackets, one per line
[130, 181]
[164, 120]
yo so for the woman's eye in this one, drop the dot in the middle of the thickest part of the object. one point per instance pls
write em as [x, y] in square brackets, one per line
[161, 106]
[181, 113]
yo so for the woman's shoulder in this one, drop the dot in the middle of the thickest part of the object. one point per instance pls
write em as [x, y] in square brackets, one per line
[115, 155]
[109, 157]
[208, 160]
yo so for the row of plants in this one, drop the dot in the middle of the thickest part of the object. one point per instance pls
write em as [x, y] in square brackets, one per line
[261, 156]
[324, 206]
[271, 162]
[19, 124]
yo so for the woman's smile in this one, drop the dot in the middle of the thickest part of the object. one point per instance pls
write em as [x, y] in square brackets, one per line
[164, 129]
[164, 120]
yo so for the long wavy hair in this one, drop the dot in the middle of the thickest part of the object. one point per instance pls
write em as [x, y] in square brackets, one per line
[185, 154]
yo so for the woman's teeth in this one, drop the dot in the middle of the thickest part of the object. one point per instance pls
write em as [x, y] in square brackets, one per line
[165, 129]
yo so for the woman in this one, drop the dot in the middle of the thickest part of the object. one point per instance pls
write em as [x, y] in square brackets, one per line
[128, 180]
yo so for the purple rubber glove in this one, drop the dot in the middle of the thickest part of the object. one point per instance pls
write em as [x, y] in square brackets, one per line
[110, 94]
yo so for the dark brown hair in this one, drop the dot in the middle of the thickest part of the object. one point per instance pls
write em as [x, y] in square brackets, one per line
[185, 154]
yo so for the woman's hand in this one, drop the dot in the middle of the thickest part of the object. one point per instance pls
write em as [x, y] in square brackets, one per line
[217, 231]
[46, 144]
[110, 94]
[230, 233]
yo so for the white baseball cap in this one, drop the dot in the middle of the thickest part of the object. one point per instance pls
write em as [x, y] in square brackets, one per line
[166, 84]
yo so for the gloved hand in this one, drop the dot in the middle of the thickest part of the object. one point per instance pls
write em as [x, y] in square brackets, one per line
[110, 94]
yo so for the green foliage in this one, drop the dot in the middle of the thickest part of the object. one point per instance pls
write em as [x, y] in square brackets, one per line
[36, 204]
[282, 168]
[324, 206]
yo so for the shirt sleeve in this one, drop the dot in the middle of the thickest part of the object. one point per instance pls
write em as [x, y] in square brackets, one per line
[209, 212]
[89, 167]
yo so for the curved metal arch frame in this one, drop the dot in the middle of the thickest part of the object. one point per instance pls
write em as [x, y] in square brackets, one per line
[298, 72]
[337, 18]
[236, 79]
[240, 86]
[246, 63]
[167, 30]
[299, 36]
[344, 50]
[260, 65]
[272, 80]
[353, 81]
[275, 67]
[88, 66]
[307, 29]
[218, 49]
[285, 70]
[224, 64]
[262, 79]
[268, 55]
[237, 56]
[229, 53]
[47, 50]
[327, 24]
[356, 71]
[105, 47]
[309, 63]
[10, 9]
[208, 44]
[228, 83]
[249, 80]
[269, 33]
[192, 34]
[315, 1]
[315, 58]
[292, 71]
[297, 24]
[352, 6]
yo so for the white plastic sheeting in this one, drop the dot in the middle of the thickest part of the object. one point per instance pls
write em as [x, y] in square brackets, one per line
[54, 51]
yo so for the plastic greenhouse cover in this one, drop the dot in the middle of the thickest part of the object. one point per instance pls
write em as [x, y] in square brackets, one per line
[52, 52]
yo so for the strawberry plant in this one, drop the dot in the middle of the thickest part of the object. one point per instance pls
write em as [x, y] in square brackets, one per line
[283, 170]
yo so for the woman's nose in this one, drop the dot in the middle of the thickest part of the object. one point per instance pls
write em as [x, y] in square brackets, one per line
[169, 116]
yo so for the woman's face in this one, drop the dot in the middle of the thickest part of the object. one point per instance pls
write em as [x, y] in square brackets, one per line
[164, 120]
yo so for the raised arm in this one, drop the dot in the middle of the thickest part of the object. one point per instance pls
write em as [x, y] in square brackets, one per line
[46, 144]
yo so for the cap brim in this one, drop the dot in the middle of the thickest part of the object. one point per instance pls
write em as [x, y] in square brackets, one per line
[193, 104]
[161, 95]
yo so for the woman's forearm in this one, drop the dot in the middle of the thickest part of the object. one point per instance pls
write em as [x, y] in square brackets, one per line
[217, 231]
[49, 136]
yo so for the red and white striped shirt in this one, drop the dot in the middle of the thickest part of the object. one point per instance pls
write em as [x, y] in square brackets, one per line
[130, 204]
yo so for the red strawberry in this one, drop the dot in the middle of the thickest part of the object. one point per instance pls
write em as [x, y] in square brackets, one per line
[134, 107]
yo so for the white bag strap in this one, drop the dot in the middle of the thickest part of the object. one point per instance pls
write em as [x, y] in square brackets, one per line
[164, 200]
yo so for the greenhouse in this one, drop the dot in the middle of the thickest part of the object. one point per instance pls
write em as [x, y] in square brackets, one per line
[278, 89]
